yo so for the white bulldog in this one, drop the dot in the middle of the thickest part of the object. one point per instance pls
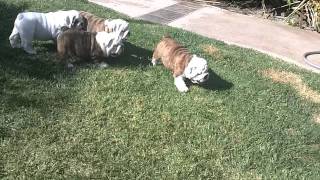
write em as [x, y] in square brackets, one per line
[39, 26]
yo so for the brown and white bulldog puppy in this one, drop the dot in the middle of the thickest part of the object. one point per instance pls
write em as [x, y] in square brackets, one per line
[181, 62]
[73, 44]
[97, 24]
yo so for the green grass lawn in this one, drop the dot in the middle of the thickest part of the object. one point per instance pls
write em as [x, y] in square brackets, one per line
[129, 122]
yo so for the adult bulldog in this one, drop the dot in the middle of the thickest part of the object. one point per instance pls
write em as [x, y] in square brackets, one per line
[39, 26]
[97, 24]
[181, 62]
[76, 45]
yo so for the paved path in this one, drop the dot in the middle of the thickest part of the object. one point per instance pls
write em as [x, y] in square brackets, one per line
[276, 39]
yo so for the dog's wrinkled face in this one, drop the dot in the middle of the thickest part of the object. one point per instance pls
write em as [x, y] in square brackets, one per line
[197, 70]
[118, 25]
[79, 23]
[110, 43]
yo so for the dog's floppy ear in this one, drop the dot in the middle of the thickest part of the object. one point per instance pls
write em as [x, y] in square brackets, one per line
[68, 22]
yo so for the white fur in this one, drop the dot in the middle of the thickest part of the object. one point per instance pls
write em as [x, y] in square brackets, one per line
[103, 65]
[180, 84]
[154, 61]
[197, 70]
[118, 25]
[110, 43]
[40, 26]
[70, 66]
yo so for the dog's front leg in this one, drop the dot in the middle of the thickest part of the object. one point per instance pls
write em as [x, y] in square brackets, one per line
[103, 65]
[27, 46]
[180, 84]
[100, 62]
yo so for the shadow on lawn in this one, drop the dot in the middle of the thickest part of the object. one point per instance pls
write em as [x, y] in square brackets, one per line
[16, 60]
[8, 13]
[215, 82]
[15, 65]
[132, 56]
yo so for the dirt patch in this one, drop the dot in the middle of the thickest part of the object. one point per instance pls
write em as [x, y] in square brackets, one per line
[211, 50]
[295, 81]
[316, 118]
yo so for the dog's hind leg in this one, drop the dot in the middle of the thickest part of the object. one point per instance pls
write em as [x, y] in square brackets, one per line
[14, 38]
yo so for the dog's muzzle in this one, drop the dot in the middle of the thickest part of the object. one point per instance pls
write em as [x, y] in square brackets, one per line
[201, 78]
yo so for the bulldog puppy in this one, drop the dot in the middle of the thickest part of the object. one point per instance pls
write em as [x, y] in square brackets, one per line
[73, 44]
[97, 24]
[39, 26]
[181, 62]
[79, 23]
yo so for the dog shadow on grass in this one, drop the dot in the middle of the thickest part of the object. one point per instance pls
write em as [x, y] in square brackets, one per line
[214, 83]
[8, 13]
[132, 57]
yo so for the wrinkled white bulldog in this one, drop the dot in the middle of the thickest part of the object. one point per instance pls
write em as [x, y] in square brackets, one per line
[39, 26]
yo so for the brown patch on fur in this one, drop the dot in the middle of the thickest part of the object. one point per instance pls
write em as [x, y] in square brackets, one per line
[211, 50]
[78, 44]
[295, 81]
[95, 23]
[173, 55]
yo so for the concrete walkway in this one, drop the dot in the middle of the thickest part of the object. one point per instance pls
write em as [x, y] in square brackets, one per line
[276, 39]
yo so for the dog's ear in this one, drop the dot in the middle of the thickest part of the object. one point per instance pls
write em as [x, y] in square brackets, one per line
[68, 22]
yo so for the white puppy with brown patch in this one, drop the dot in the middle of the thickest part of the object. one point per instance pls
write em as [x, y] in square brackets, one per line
[39, 26]
[181, 62]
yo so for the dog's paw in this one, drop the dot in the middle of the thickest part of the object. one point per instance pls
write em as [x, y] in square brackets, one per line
[31, 51]
[70, 66]
[154, 62]
[103, 65]
[180, 84]
[15, 44]
[183, 89]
